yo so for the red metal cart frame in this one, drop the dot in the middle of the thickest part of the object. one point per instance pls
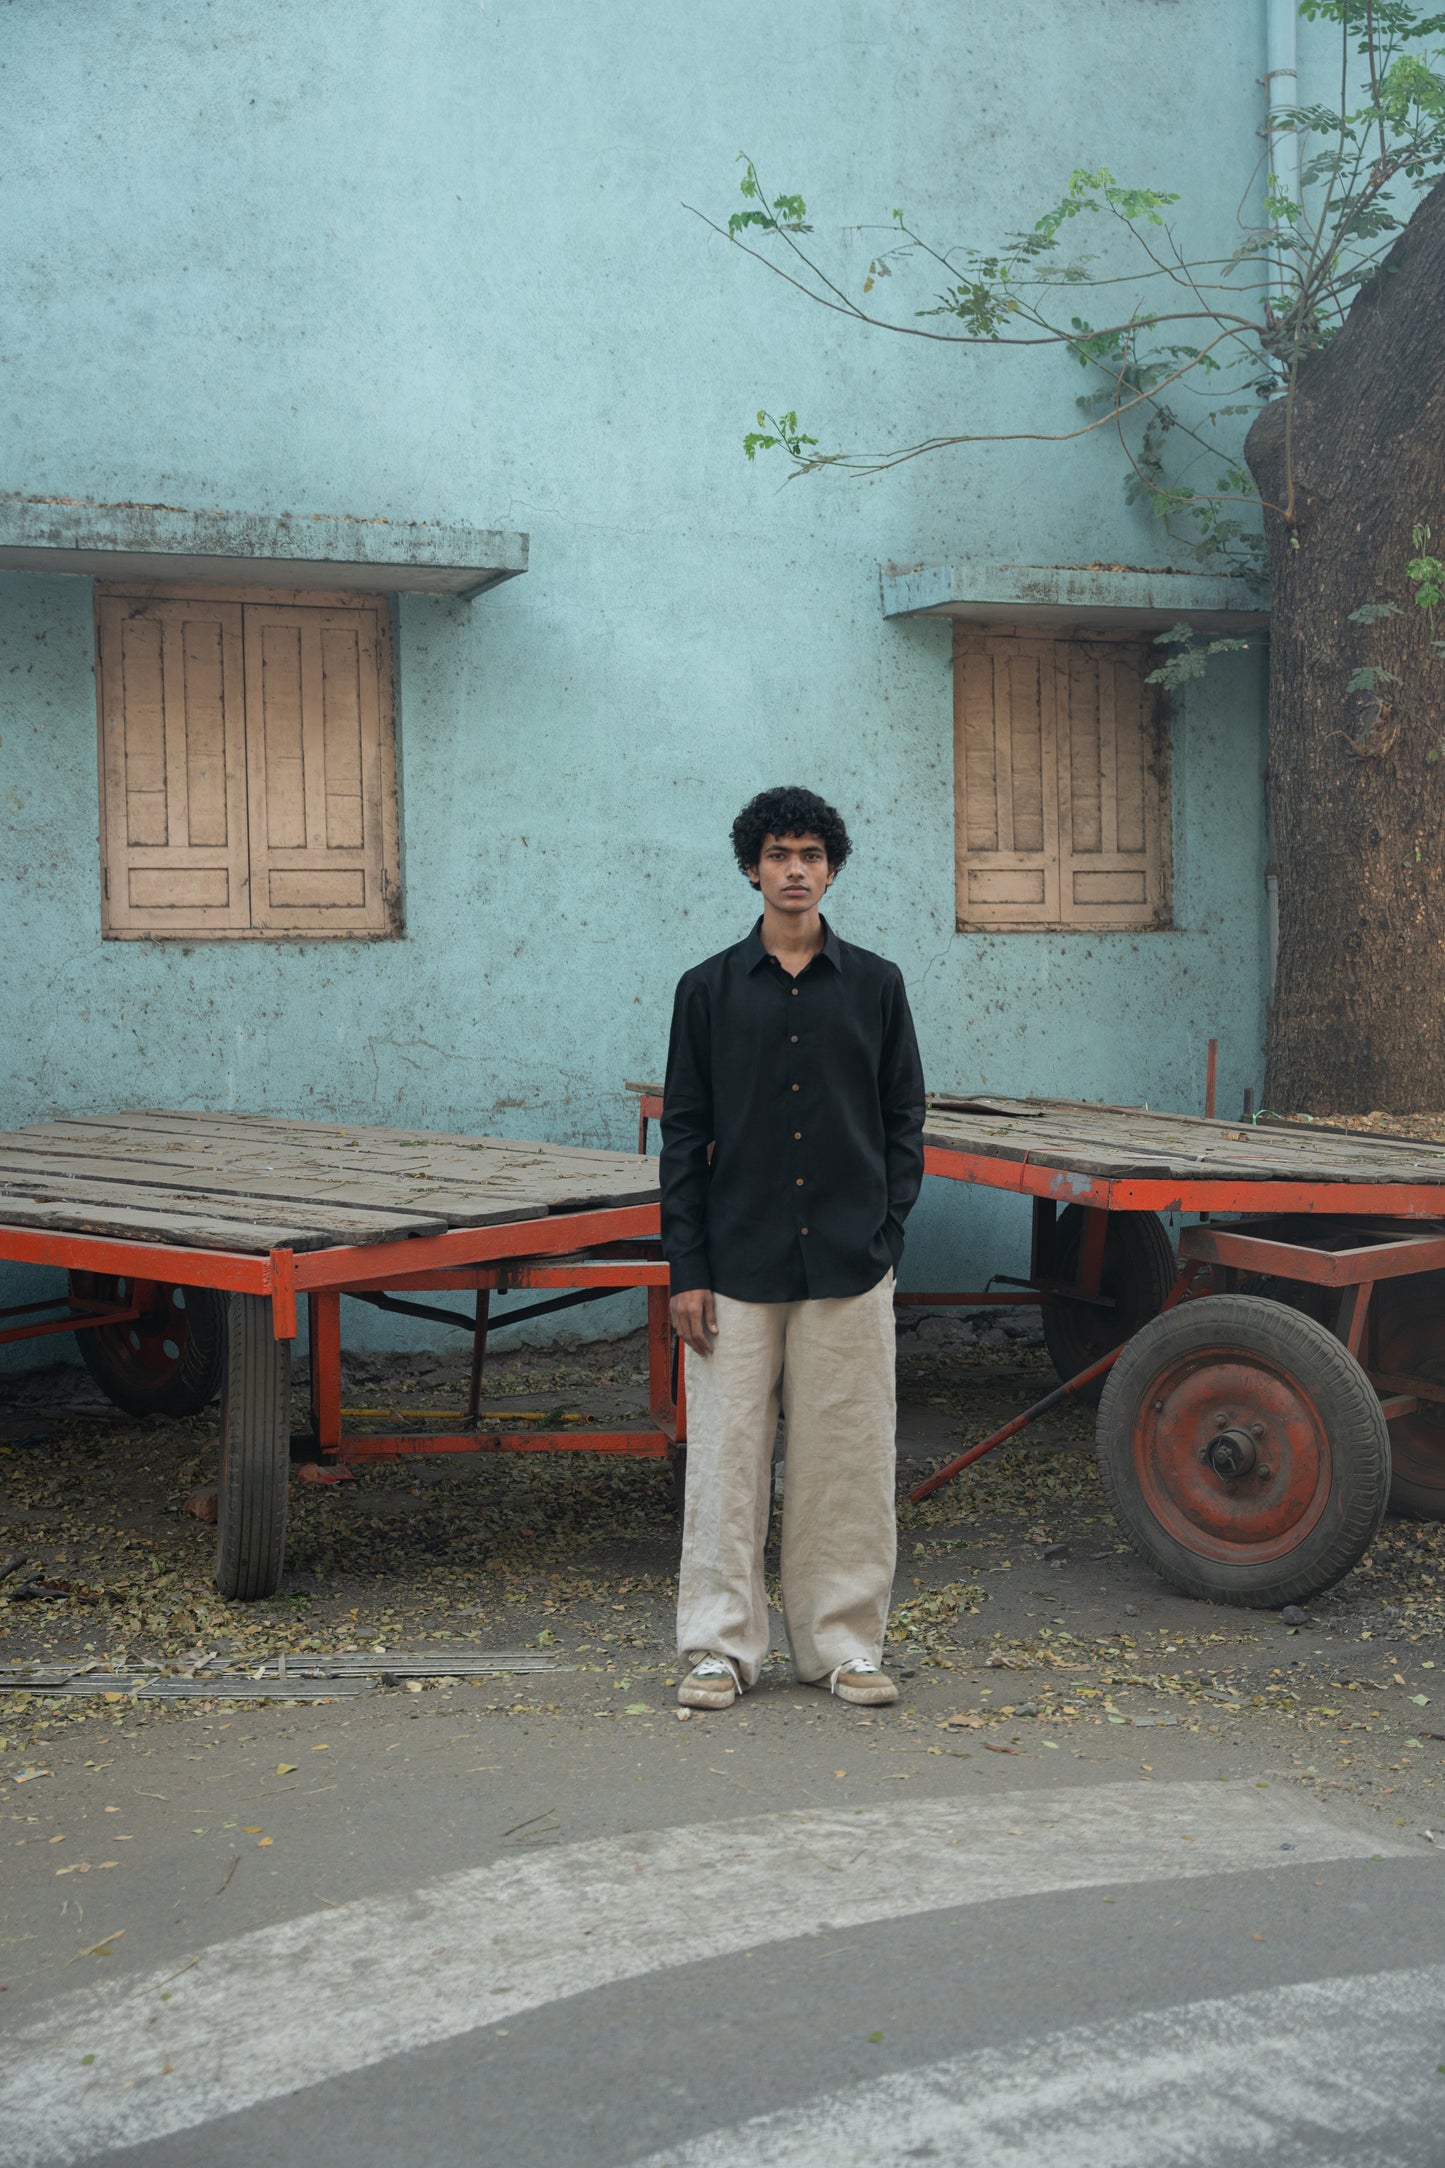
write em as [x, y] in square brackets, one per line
[594, 1252]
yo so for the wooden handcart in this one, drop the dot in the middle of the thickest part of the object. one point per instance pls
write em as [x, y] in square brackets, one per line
[190, 1240]
[1266, 1395]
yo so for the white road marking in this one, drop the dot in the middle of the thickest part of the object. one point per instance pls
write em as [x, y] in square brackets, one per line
[1333, 2071]
[289, 2006]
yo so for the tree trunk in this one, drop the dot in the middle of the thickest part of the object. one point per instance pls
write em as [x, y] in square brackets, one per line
[1357, 780]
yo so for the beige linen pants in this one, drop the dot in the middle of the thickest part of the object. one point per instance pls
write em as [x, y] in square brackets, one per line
[830, 1366]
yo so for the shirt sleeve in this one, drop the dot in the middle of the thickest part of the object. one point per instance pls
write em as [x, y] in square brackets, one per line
[901, 1096]
[687, 1131]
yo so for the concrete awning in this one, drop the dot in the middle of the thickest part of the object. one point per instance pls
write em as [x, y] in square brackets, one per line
[166, 542]
[1129, 596]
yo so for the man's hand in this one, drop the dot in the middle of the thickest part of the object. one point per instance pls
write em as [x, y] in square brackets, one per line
[694, 1319]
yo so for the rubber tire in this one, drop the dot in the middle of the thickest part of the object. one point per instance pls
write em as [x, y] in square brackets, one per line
[194, 1382]
[255, 1454]
[1139, 1270]
[1415, 1299]
[1350, 1411]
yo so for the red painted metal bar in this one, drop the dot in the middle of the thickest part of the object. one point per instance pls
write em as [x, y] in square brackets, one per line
[1091, 1252]
[1262, 1251]
[384, 1264]
[325, 1319]
[1200, 1193]
[143, 1260]
[645, 1444]
[562, 1270]
[1050, 1401]
[95, 1313]
[1398, 1381]
[283, 1294]
[1354, 1315]
[618, 1272]
[79, 1316]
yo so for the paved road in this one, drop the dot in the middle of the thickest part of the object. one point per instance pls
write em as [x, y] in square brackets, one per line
[1086, 1968]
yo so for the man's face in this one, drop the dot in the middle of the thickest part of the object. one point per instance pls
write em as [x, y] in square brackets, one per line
[793, 873]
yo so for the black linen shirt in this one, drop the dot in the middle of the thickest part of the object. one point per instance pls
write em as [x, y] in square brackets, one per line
[810, 1092]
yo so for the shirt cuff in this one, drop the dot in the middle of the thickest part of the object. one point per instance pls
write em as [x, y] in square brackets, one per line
[691, 1271]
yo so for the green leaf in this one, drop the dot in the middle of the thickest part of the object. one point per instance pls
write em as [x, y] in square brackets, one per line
[1370, 613]
[1192, 660]
[774, 430]
[1369, 680]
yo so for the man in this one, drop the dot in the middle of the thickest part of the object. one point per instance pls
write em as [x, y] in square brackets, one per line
[792, 1150]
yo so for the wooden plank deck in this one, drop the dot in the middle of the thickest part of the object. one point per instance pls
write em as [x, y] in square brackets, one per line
[1115, 1143]
[257, 1183]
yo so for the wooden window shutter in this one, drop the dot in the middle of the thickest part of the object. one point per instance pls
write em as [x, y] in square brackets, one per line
[1005, 785]
[174, 847]
[1061, 763]
[1113, 787]
[319, 756]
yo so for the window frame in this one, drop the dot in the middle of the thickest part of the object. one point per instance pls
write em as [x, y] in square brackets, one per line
[1058, 857]
[380, 608]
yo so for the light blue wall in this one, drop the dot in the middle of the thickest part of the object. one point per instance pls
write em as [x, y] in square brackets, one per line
[431, 261]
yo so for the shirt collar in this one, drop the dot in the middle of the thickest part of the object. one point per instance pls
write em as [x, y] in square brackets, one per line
[754, 953]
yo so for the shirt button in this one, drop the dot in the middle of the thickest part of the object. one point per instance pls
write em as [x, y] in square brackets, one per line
[800, 1182]
[792, 1041]
[797, 1136]
[795, 993]
[797, 1087]
[802, 1230]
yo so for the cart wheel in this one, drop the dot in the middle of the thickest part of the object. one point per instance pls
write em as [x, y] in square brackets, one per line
[167, 1362]
[255, 1454]
[1244, 1451]
[1409, 1327]
[1139, 1270]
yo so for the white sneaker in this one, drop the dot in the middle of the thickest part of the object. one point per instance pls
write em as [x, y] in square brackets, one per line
[712, 1683]
[858, 1680]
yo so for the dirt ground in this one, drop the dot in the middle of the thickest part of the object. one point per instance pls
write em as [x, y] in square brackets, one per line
[1019, 1613]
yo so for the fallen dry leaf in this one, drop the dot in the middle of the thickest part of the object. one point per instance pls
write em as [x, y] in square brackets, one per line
[101, 1948]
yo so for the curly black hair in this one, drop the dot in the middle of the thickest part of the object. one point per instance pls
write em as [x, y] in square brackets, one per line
[788, 812]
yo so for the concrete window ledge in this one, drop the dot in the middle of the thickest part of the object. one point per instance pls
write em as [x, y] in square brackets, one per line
[296, 550]
[1133, 597]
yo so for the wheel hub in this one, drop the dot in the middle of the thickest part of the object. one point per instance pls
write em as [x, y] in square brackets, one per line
[1231, 1455]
